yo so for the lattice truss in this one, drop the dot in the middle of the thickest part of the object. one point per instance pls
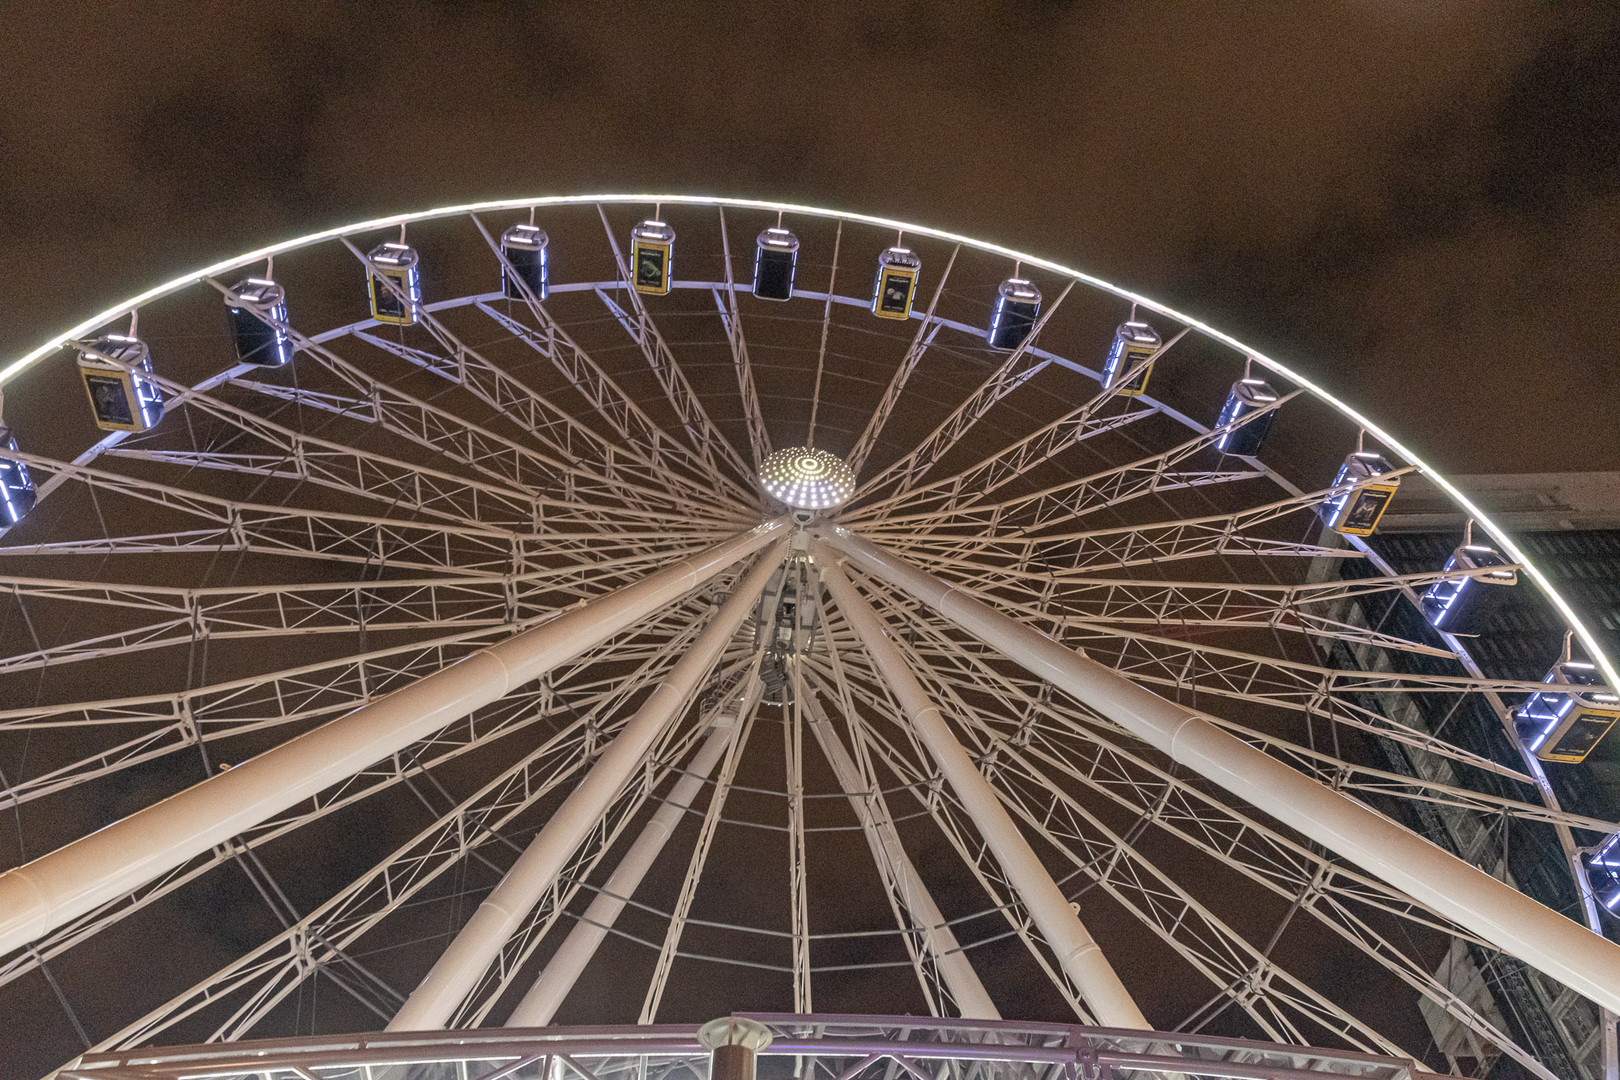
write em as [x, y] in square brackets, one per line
[292, 544]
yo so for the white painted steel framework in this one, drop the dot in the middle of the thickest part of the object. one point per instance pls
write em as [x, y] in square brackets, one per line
[1448, 885]
[494, 604]
[824, 1047]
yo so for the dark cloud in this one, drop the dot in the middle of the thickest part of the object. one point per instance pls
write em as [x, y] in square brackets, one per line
[1397, 197]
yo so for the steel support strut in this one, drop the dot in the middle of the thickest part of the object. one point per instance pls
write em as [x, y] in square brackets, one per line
[553, 983]
[938, 940]
[42, 895]
[1077, 952]
[1498, 913]
[460, 965]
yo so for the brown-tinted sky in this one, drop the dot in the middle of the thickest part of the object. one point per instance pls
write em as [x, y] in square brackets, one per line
[1418, 203]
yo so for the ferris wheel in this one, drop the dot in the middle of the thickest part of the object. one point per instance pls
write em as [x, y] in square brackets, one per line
[629, 610]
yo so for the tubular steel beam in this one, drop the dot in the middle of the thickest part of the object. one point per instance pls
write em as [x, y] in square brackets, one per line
[938, 939]
[45, 893]
[553, 983]
[460, 965]
[1077, 952]
[1498, 913]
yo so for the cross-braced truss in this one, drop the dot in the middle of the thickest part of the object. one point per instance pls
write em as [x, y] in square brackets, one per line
[564, 477]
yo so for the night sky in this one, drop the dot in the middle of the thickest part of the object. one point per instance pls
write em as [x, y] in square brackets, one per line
[1417, 204]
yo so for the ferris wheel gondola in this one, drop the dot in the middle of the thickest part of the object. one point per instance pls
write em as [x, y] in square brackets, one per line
[687, 655]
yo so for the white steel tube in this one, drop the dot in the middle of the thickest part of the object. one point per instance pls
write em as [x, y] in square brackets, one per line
[461, 964]
[42, 895]
[1078, 953]
[1561, 948]
[552, 985]
[972, 1000]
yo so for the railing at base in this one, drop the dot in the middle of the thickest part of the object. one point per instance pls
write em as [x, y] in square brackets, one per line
[830, 1047]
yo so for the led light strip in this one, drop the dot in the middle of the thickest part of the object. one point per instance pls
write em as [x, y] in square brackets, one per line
[1588, 640]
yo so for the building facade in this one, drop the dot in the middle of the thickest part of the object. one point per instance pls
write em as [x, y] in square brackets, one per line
[1569, 526]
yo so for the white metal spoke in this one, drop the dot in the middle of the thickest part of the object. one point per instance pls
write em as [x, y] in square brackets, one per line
[535, 874]
[1280, 684]
[1021, 365]
[363, 476]
[1336, 773]
[759, 439]
[798, 857]
[517, 950]
[642, 483]
[926, 331]
[662, 765]
[1324, 889]
[1013, 461]
[305, 458]
[926, 934]
[1127, 600]
[223, 613]
[1045, 808]
[826, 327]
[465, 367]
[1319, 887]
[1237, 968]
[172, 722]
[621, 412]
[502, 459]
[274, 969]
[1517, 924]
[949, 817]
[694, 418]
[281, 530]
[942, 966]
[1244, 671]
[1257, 984]
[1292, 621]
[1243, 675]
[587, 698]
[446, 565]
[606, 398]
[1089, 750]
[969, 484]
[724, 779]
[1096, 551]
[1076, 498]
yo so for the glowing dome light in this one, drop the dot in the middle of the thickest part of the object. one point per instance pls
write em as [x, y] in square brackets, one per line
[807, 479]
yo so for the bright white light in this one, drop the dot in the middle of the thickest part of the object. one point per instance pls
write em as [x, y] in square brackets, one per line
[1508, 547]
[807, 479]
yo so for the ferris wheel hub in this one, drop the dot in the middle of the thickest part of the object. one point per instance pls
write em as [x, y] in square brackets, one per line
[807, 479]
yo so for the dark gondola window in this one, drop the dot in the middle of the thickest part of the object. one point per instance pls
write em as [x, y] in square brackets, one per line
[1247, 398]
[1134, 342]
[257, 311]
[17, 493]
[524, 248]
[776, 257]
[1018, 302]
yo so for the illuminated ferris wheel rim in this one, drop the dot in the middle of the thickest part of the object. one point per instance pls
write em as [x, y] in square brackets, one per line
[1594, 648]
[692, 512]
